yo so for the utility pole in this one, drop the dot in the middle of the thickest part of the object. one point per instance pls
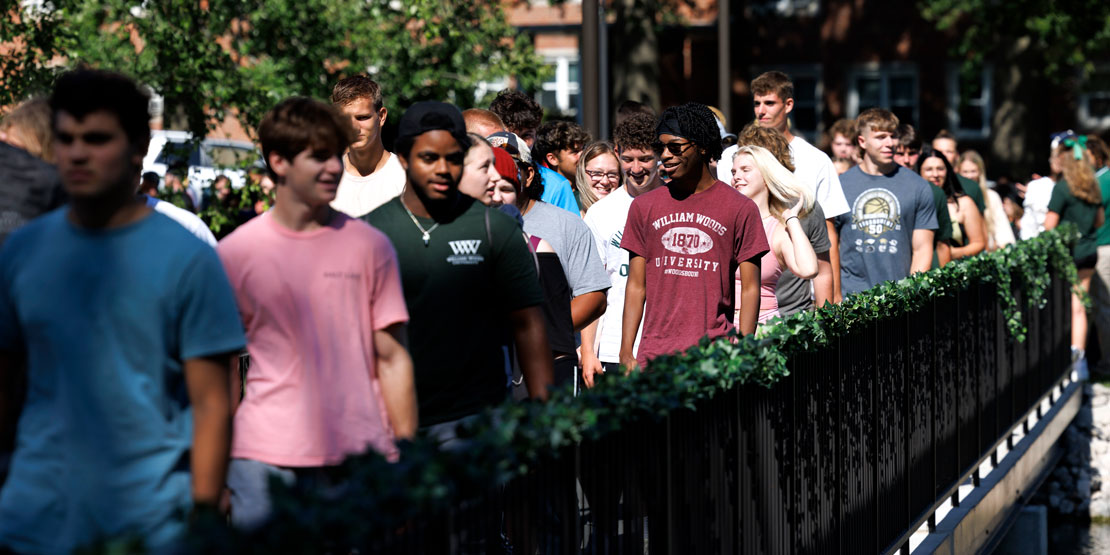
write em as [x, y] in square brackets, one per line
[724, 62]
[591, 56]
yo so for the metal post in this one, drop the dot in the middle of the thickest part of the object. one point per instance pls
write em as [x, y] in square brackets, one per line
[591, 94]
[724, 62]
[605, 112]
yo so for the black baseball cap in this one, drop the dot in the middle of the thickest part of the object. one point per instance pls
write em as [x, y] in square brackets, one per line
[430, 115]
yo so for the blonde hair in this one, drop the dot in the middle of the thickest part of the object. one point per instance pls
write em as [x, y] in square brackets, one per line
[582, 188]
[989, 211]
[30, 123]
[1079, 174]
[783, 188]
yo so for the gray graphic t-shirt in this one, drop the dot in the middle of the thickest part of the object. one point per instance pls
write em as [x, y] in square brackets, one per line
[876, 235]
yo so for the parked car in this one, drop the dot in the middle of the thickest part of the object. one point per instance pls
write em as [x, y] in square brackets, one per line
[206, 161]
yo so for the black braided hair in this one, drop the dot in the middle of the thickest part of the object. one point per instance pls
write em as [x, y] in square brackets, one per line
[699, 125]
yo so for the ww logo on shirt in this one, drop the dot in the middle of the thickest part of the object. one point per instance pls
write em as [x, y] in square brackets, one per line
[465, 247]
[466, 252]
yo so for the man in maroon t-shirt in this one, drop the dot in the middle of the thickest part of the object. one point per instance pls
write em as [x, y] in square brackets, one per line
[685, 242]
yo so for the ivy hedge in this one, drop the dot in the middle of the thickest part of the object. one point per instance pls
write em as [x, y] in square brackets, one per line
[383, 496]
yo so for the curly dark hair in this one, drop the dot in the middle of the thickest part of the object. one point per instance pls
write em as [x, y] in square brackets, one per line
[554, 136]
[635, 131]
[695, 122]
[532, 189]
[519, 111]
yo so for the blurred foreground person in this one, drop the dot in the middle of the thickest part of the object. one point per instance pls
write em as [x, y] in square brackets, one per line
[320, 296]
[467, 275]
[686, 243]
[126, 425]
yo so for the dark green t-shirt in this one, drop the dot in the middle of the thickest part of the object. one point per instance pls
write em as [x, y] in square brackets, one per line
[973, 190]
[1082, 214]
[1102, 237]
[944, 222]
[460, 290]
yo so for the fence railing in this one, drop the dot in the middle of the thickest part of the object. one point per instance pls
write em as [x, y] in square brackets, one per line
[850, 452]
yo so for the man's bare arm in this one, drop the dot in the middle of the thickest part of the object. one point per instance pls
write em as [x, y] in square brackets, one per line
[395, 374]
[922, 258]
[587, 308]
[533, 351]
[634, 297]
[823, 283]
[834, 258]
[749, 296]
[206, 380]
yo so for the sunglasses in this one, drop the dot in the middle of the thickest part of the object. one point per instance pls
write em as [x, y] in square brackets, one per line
[675, 148]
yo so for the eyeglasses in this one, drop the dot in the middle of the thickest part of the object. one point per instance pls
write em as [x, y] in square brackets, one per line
[598, 175]
[675, 148]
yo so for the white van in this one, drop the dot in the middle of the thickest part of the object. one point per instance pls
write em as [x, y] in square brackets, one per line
[206, 161]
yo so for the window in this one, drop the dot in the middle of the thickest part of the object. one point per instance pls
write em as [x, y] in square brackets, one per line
[179, 153]
[805, 118]
[890, 86]
[969, 102]
[562, 93]
[1094, 100]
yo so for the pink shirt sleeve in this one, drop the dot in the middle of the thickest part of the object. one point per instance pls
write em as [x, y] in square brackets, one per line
[387, 299]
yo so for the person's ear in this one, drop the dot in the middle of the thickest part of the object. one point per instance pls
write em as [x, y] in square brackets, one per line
[402, 159]
[382, 115]
[789, 105]
[552, 160]
[279, 164]
[138, 152]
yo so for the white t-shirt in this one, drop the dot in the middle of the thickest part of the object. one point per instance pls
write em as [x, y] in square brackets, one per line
[606, 219]
[813, 169]
[187, 219]
[360, 195]
[1037, 194]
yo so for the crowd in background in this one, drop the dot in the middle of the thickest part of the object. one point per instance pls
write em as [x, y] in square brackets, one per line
[386, 293]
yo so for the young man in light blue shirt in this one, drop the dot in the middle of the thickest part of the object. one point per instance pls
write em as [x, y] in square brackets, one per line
[125, 323]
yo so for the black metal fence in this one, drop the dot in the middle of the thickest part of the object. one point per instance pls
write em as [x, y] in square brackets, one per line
[849, 454]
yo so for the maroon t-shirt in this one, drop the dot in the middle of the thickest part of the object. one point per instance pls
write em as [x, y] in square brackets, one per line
[692, 248]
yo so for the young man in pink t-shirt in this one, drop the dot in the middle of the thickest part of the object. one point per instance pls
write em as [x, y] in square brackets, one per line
[320, 297]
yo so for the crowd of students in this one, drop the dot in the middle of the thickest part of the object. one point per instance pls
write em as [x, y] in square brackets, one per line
[388, 294]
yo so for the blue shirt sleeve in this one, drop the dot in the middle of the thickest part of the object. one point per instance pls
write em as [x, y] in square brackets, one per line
[208, 320]
[557, 191]
[926, 216]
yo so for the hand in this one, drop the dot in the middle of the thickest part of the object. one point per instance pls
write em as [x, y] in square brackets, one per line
[591, 367]
[1021, 188]
[224, 505]
[629, 363]
[793, 211]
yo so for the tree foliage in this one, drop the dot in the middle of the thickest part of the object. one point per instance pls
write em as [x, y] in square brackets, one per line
[211, 58]
[1066, 34]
